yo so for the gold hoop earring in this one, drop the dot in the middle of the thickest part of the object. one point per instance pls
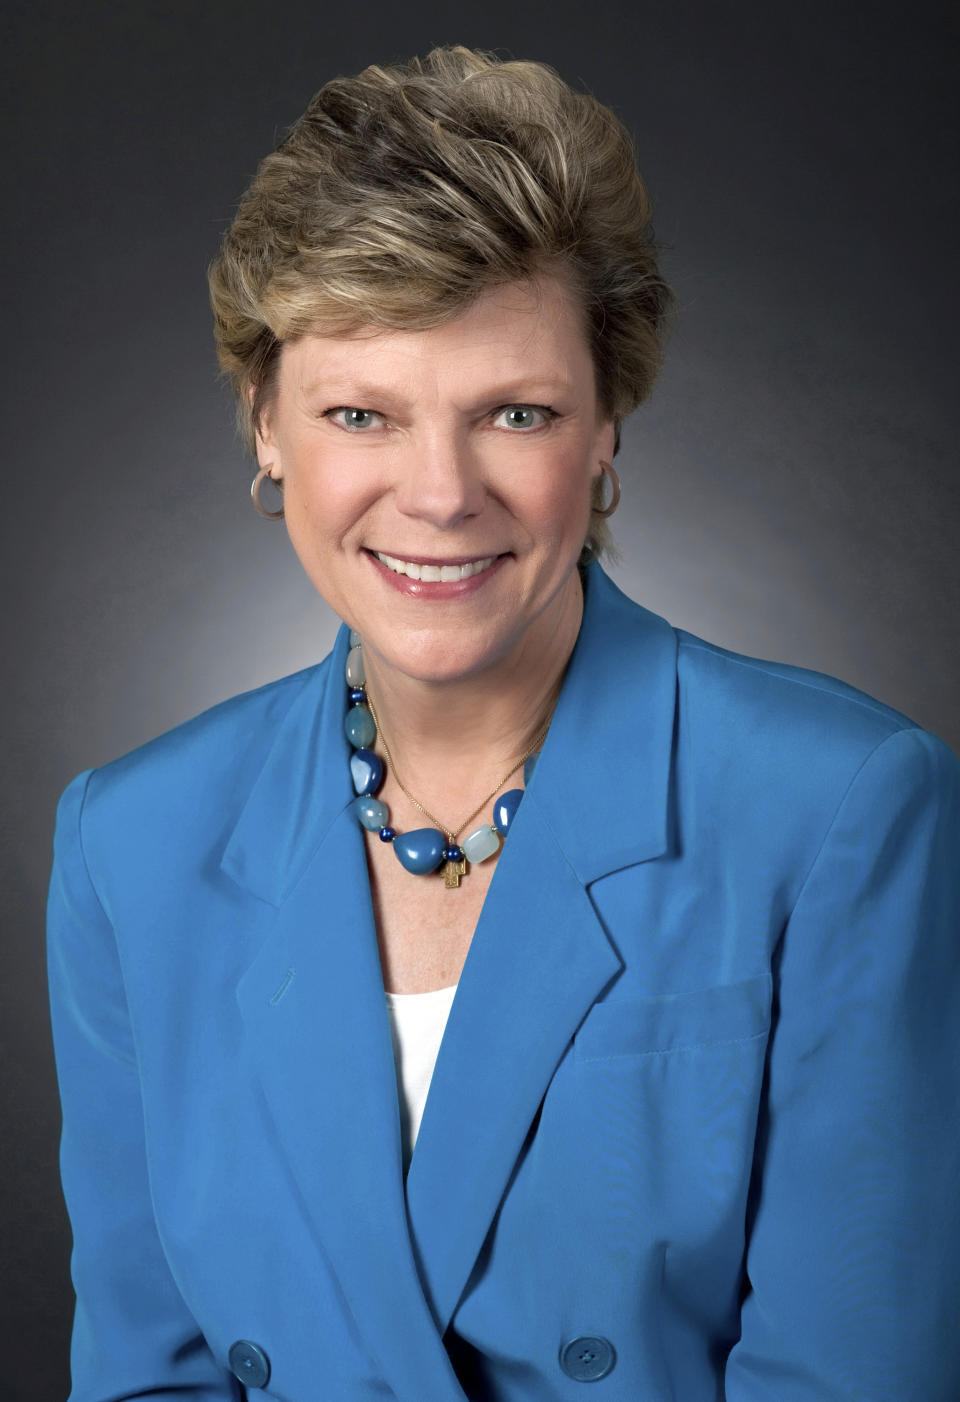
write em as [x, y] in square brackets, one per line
[608, 471]
[255, 495]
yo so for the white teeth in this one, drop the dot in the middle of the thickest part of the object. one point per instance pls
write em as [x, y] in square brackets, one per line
[433, 574]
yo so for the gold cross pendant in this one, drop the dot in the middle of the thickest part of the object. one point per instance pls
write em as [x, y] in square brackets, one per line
[453, 871]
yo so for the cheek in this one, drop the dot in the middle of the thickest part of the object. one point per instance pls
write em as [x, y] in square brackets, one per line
[559, 505]
[322, 507]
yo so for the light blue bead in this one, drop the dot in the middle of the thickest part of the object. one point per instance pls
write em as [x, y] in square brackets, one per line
[361, 731]
[480, 844]
[505, 808]
[528, 767]
[372, 814]
[366, 770]
[354, 638]
[421, 850]
[356, 673]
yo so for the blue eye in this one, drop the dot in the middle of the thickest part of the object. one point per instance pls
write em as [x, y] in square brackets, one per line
[360, 419]
[358, 413]
[543, 410]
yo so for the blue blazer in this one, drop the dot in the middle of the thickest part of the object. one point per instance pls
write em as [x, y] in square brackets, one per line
[693, 1131]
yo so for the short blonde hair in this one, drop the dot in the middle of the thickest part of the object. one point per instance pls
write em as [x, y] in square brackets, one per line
[402, 194]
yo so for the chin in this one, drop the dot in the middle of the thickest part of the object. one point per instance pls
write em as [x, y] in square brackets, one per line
[441, 657]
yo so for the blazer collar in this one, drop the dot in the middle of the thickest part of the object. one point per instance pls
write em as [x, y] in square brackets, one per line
[586, 766]
[301, 789]
[602, 780]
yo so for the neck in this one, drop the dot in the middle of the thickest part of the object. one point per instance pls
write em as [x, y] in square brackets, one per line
[457, 735]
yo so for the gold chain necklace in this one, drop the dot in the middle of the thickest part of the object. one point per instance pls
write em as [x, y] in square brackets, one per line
[453, 870]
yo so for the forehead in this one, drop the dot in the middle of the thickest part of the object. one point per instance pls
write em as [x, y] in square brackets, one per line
[529, 329]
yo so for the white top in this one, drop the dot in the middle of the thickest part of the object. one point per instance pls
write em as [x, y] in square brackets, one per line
[417, 1023]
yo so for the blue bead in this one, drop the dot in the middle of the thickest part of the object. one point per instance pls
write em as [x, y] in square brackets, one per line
[420, 851]
[505, 809]
[480, 844]
[528, 767]
[387, 834]
[358, 696]
[366, 769]
[359, 727]
[453, 853]
[371, 813]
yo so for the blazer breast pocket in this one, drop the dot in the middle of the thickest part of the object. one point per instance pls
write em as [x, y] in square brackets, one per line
[667, 1023]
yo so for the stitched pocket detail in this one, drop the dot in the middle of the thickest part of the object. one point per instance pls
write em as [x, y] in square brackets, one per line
[668, 1022]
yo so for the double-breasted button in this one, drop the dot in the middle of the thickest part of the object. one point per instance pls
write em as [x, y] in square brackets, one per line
[587, 1358]
[249, 1363]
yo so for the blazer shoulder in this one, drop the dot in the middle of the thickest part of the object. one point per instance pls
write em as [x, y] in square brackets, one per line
[224, 743]
[784, 694]
[782, 747]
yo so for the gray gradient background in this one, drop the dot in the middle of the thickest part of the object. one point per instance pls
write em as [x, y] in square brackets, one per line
[791, 490]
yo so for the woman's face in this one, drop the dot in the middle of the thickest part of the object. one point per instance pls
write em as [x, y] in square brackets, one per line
[476, 441]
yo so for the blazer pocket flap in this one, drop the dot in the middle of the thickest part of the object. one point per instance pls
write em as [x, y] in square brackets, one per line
[667, 1022]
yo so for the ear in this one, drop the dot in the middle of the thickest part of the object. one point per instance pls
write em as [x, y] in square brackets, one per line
[268, 454]
[604, 446]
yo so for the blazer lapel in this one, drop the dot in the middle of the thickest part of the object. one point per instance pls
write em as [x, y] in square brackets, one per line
[313, 998]
[540, 957]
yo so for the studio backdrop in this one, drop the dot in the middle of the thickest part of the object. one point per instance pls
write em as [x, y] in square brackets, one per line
[789, 491]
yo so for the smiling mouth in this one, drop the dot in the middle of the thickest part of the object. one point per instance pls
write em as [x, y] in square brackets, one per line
[435, 573]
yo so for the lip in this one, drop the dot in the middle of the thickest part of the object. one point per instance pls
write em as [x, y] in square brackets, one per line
[436, 560]
[436, 590]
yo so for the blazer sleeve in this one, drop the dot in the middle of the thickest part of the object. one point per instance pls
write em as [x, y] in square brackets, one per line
[132, 1333]
[853, 1253]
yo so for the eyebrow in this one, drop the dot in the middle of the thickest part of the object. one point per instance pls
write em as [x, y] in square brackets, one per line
[516, 391]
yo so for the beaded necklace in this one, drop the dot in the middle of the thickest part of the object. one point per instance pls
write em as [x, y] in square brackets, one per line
[421, 851]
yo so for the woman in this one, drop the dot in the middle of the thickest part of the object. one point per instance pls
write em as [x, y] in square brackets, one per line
[685, 921]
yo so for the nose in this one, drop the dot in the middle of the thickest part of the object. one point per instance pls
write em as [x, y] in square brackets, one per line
[441, 483]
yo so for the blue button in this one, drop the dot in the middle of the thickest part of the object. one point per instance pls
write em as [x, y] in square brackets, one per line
[587, 1358]
[249, 1363]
